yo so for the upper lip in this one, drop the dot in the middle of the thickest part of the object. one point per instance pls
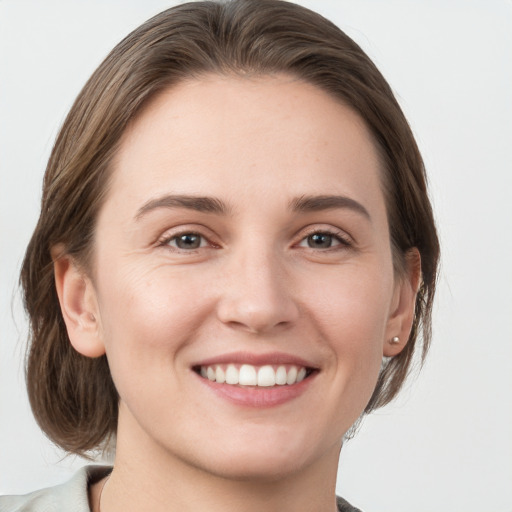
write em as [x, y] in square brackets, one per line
[270, 358]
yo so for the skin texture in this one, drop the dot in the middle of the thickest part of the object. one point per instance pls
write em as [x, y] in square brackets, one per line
[254, 285]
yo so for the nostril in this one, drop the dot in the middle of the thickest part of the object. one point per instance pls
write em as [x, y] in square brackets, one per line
[256, 321]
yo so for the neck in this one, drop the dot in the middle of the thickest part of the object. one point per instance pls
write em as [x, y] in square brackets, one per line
[148, 477]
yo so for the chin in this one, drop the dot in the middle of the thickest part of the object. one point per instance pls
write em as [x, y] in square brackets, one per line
[266, 459]
[258, 468]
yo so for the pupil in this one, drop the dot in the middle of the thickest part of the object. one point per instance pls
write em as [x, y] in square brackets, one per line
[321, 240]
[188, 241]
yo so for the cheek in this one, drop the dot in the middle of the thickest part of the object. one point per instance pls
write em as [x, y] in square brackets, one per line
[353, 302]
[149, 301]
[147, 318]
[351, 314]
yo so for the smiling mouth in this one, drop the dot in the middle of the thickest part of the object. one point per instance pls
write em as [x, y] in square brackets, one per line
[249, 375]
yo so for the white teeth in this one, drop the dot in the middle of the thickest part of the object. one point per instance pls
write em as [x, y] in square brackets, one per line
[231, 375]
[266, 376]
[220, 376]
[281, 376]
[249, 375]
[292, 376]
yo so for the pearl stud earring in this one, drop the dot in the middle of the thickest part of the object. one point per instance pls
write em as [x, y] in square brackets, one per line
[395, 340]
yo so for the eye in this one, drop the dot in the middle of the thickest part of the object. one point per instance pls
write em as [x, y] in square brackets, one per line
[320, 240]
[187, 241]
[323, 240]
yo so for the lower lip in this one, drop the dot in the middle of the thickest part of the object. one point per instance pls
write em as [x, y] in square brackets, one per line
[258, 396]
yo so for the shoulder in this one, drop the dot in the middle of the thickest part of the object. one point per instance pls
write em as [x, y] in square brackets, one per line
[72, 495]
[345, 506]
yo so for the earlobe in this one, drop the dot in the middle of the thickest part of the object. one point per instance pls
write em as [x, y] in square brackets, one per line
[78, 304]
[403, 307]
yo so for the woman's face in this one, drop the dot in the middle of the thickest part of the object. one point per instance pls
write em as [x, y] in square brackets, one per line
[244, 237]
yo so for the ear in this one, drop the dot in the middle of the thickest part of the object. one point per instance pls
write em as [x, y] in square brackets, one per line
[78, 304]
[403, 305]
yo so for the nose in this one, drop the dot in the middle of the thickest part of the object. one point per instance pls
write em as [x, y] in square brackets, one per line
[257, 294]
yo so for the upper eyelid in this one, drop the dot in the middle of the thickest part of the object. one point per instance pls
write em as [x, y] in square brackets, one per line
[209, 235]
[334, 231]
[166, 239]
[164, 242]
[196, 229]
[341, 243]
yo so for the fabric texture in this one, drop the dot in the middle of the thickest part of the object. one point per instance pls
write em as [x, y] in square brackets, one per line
[72, 496]
[345, 506]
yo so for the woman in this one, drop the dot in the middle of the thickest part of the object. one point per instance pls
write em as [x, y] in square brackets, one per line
[234, 259]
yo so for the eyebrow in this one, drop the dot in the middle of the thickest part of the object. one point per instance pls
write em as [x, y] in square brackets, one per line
[214, 205]
[327, 202]
[197, 203]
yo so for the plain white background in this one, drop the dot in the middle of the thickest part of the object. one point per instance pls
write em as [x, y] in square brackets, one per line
[446, 443]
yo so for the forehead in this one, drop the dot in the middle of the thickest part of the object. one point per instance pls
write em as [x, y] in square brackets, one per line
[230, 136]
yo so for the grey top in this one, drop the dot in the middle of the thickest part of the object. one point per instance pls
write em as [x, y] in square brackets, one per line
[72, 496]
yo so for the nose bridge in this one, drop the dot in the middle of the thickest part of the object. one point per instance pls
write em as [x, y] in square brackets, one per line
[257, 295]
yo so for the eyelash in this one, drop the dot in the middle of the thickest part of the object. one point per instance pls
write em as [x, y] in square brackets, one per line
[166, 241]
[344, 241]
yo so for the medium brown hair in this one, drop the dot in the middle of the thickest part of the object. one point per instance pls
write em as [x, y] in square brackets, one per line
[73, 397]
